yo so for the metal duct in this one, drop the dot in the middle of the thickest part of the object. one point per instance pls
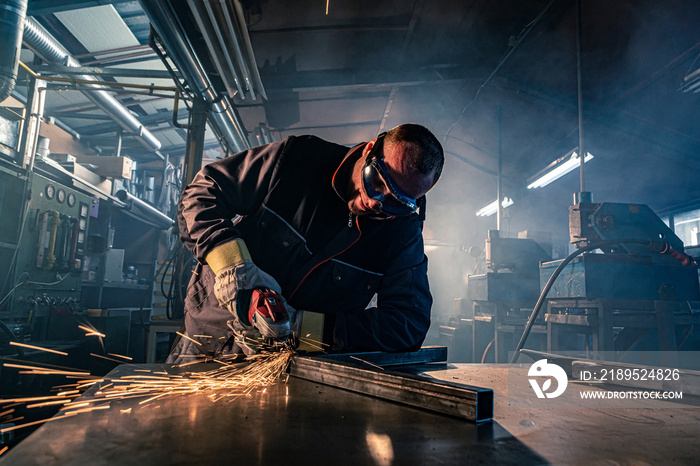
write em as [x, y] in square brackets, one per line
[171, 32]
[12, 14]
[146, 211]
[41, 42]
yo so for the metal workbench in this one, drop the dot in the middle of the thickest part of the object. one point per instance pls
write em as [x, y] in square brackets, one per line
[317, 424]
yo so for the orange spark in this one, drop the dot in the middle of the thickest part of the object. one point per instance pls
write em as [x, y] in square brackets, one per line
[24, 345]
[367, 362]
[41, 421]
[35, 398]
[185, 336]
[49, 403]
[105, 357]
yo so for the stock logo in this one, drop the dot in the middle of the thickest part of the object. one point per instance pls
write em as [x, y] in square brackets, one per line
[543, 369]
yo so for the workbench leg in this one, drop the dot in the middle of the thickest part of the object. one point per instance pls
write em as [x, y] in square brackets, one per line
[552, 337]
[499, 345]
[664, 324]
[151, 350]
[605, 326]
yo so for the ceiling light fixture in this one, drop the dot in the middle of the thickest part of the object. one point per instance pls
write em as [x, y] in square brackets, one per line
[691, 220]
[492, 208]
[691, 82]
[557, 169]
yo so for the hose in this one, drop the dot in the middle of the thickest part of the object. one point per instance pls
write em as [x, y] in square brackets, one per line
[656, 246]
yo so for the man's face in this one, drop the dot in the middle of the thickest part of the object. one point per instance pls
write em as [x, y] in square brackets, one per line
[396, 159]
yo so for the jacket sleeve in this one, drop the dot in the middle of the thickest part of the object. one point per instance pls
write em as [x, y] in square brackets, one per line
[401, 319]
[235, 185]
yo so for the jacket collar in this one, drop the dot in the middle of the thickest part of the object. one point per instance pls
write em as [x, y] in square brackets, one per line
[342, 174]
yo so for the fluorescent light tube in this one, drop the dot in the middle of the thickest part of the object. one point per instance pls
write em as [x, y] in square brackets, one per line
[557, 169]
[687, 221]
[492, 208]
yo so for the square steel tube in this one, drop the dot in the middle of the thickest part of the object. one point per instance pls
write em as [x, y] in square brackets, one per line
[466, 402]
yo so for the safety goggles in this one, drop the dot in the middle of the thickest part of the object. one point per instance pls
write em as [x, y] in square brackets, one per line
[377, 182]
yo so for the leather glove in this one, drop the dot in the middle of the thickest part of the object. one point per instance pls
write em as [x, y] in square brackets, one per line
[245, 276]
[236, 277]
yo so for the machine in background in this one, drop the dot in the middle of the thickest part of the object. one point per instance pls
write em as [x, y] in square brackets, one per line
[72, 254]
[629, 296]
[46, 251]
[498, 302]
[638, 291]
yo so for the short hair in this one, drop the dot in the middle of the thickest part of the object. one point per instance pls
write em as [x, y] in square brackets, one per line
[430, 157]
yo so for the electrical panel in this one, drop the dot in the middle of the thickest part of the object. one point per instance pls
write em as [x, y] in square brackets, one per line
[48, 247]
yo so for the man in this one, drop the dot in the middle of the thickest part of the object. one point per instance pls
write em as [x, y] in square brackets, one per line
[325, 227]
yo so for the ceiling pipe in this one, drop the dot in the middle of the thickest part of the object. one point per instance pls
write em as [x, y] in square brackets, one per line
[222, 25]
[48, 48]
[171, 32]
[216, 50]
[239, 33]
[146, 210]
[579, 96]
[12, 13]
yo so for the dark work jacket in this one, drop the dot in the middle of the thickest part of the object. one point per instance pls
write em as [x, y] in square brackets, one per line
[299, 230]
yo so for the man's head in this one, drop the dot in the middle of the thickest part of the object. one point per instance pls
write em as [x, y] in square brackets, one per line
[394, 169]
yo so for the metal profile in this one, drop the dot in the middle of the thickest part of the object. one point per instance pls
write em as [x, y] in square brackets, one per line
[426, 354]
[462, 401]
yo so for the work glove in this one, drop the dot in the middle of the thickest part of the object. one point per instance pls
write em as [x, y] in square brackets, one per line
[236, 277]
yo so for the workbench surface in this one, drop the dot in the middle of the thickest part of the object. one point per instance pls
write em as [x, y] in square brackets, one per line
[302, 422]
